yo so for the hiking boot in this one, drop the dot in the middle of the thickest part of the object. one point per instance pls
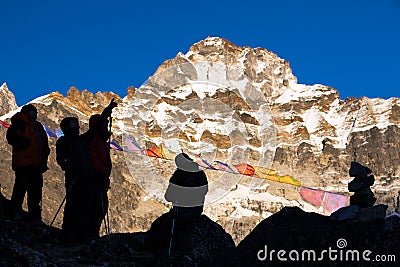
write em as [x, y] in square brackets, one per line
[19, 216]
[37, 222]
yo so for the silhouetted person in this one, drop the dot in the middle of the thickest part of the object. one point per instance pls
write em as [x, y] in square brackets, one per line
[30, 151]
[187, 189]
[73, 158]
[360, 185]
[96, 139]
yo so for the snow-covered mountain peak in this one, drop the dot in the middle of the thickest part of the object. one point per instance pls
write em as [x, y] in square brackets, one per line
[313, 137]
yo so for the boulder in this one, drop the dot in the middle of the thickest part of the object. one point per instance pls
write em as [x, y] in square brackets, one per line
[392, 222]
[353, 212]
[201, 242]
[345, 213]
[377, 212]
[293, 229]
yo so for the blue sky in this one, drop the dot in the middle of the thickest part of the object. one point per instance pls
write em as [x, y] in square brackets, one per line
[99, 45]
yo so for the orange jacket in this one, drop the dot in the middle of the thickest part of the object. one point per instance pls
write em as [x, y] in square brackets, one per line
[99, 152]
[29, 142]
[100, 156]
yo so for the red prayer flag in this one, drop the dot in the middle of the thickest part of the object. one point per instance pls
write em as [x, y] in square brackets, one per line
[4, 124]
[245, 169]
[153, 152]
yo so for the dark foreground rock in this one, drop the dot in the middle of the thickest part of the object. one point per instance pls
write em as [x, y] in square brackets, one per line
[298, 233]
[290, 234]
[25, 243]
[200, 243]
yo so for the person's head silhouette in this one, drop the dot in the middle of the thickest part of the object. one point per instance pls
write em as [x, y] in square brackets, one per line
[30, 110]
[70, 126]
[185, 163]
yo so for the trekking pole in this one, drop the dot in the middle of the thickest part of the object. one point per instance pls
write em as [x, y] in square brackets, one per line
[62, 202]
[1, 203]
[109, 148]
[172, 230]
[105, 213]
[108, 222]
[107, 217]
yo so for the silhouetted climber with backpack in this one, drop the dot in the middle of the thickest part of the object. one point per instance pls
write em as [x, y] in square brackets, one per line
[360, 185]
[86, 161]
[30, 151]
[96, 139]
[73, 158]
[187, 189]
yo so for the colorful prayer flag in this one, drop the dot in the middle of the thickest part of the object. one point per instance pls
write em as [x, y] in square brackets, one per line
[264, 171]
[203, 163]
[153, 152]
[312, 196]
[225, 167]
[114, 145]
[245, 169]
[5, 124]
[168, 154]
[59, 133]
[333, 202]
[48, 131]
[287, 179]
[132, 146]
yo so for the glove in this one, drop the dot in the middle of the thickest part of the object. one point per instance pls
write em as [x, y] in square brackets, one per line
[112, 104]
[108, 110]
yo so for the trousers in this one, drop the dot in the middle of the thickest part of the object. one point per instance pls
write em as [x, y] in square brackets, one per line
[28, 180]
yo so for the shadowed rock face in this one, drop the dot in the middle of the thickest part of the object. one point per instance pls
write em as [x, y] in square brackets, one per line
[315, 140]
[293, 229]
[25, 244]
[203, 243]
[22, 244]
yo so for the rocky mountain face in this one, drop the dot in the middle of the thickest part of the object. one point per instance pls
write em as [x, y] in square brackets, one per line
[233, 104]
[7, 100]
[125, 196]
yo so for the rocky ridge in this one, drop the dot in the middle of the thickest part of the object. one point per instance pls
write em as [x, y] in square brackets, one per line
[7, 100]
